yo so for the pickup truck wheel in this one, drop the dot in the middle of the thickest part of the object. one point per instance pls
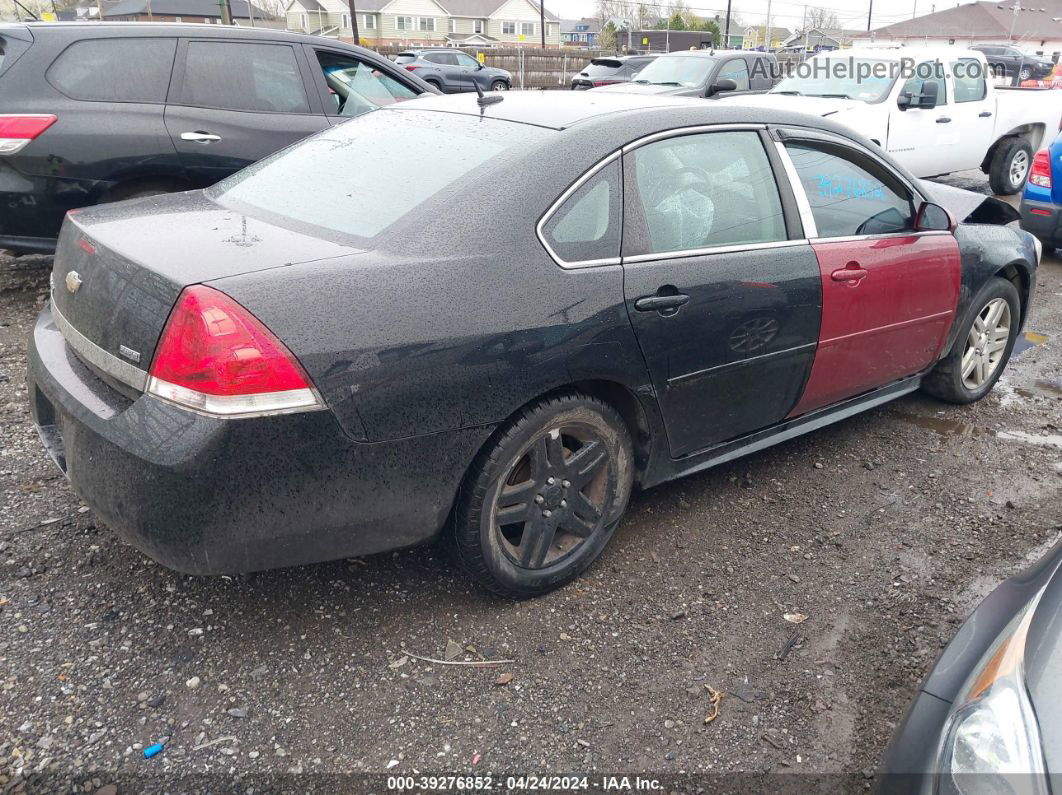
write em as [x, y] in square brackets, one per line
[1010, 166]
[987, 333]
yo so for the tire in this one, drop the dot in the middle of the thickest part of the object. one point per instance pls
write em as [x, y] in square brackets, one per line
[539, 550]
[1025, 73]
[499, 85]
[139, 190]
[947, 380]
[434, 84]
[1010, 166]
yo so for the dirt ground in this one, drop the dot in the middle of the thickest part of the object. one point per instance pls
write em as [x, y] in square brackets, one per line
[884, 530]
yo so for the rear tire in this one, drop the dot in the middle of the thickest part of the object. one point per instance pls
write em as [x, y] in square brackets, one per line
[1010, 166]
[543, 498]
[971, 368]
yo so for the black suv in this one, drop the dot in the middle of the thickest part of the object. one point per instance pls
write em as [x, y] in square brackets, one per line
[96, 112]
[1012, 62]
[609, 70]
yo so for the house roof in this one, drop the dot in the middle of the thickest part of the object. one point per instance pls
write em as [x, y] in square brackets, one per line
[837, 34]
[569, 25]
[180, 8]
[474, 9]
[982, 20]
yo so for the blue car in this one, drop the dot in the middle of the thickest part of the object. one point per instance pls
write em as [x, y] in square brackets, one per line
[1041, 203]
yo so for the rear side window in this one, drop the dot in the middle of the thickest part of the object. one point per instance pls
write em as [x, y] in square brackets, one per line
[970, 83]
[115, 70]
[444, 58]
[243, 76]
[587, 226]
[849, 193]
[360, 177]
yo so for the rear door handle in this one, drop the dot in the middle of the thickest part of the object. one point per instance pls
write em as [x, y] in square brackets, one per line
[852, 273]
[200, 137]
[984, 114]
[944, 120]
[661, 303]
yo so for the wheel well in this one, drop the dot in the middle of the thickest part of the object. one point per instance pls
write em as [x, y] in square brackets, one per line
[1033, 134]
[630, 409]
[127, 187]
[1020, 279]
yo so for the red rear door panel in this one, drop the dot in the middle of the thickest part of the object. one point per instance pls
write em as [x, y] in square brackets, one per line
[888, 325]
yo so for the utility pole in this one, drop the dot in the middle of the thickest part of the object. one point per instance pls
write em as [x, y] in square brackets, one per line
[226, 12]
[542, 21]
[870, 13]
[767, 40]
[354, 22]
[804, 33]
[726, 32]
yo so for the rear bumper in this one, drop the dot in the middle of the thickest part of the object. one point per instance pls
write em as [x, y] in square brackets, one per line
[209, 496]
[32, 207]
[1043, 220]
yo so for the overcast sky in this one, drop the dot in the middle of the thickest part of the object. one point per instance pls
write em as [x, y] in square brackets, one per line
[786, 13]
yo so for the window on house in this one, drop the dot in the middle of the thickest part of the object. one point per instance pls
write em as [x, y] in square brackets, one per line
[527, 28]
[368, 21]
[453, 25]
[477, 26]
[427, 23]
[508, 28]
[346, 21]
[403, 23]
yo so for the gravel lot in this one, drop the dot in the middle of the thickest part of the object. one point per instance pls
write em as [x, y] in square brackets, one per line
[884, 531]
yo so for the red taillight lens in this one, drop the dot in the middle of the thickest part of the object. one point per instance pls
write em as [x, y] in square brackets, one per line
[216, 357]
[18, 129]
[598, 83]
[411, 67]
[1041, 169]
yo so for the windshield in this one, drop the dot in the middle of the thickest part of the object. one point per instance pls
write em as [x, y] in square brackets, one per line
[863, 79]
[679, 70]
[361, 176]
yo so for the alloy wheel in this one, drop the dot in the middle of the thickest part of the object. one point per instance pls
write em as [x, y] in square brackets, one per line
[986, 344]
[1019, 167]
[553, 499]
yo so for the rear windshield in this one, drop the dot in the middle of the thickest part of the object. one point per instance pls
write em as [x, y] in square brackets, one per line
[405, 57]
[360, 177]
[600, 67]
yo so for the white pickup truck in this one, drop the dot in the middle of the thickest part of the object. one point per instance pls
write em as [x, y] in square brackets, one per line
[934, 109]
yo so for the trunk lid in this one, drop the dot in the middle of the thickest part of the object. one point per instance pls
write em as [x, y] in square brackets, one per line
[119, 268]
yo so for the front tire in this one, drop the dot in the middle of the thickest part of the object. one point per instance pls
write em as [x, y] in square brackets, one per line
[983, 347]
[499, 85]
[543, 498]
[1010, 167]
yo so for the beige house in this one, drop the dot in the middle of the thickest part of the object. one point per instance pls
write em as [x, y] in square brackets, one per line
[755, 37]
[428, 23]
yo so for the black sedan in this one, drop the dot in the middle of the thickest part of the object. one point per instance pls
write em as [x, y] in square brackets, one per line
[984, 719]
[337, 352]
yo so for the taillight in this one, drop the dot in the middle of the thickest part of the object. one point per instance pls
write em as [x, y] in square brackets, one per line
[18, 129]
[599, 83]
[217, 358]
[1041, 169]
[410, 67]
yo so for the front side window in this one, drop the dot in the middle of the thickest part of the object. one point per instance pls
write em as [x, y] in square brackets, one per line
[357, 87]
[243, 76]
[737, 70]
[114, 70]
[466, 60]
[927, 73]
[587, 226]
[404, 23]
[707, 190]
[969, 77]
[509, 28]
[358, 178]
[850, 193]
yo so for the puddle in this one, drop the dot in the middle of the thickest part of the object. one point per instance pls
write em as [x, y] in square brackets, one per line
[1027, 340]
[947, 427]
[1050, 440]
[1010, 395]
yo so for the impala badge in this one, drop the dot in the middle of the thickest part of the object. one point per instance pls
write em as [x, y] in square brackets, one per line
[129, 353]
[73, 281]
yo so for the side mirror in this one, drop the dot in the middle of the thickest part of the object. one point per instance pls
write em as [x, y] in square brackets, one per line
[933, 218]
[478, 66]
[927, 100]
[721, 85]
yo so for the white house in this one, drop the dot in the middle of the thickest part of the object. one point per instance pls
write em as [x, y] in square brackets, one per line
[421, 23]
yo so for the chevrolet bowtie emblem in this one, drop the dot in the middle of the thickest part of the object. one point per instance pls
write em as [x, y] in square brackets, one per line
[73, 281]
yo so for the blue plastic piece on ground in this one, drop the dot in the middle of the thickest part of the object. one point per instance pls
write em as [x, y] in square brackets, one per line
[153, 750]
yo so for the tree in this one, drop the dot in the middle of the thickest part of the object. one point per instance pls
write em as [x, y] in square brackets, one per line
[821, 19]
[606, 39]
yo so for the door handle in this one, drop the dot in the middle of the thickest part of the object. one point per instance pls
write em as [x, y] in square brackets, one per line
[852, 273]
[984, 114]
[944, 120]
[665, 304]
[200, 137]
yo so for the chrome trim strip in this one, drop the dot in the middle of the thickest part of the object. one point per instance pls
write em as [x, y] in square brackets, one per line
[680, 131]
[262, 404]
[698, 252]
[541, 226]
[807, 220]
[97, 356]
[886, 236]
[754, 361]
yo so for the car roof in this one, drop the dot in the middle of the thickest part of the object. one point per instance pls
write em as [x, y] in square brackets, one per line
[198, 29]
[561, 110]
[916, 53]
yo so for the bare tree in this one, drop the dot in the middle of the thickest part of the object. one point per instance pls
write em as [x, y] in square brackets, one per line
[822, 19]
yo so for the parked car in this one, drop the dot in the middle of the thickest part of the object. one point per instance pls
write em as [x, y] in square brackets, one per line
[941, 115]
[1041, 203]
[703, 73]
[321, 356]
[985, 718]
[452, 71]
[1008, 61]
[96, 112]
[610, 70]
